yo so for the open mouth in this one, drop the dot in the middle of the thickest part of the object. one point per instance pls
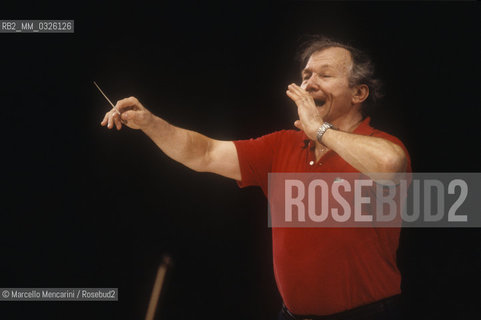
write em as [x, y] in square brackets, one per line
[319, 102]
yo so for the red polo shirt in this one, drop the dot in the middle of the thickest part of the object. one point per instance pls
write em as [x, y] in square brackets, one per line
[320, 271]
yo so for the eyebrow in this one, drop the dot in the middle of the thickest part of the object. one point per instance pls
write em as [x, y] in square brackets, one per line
[307, 70]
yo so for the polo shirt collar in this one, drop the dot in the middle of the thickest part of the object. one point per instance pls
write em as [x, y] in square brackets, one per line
[364, 127]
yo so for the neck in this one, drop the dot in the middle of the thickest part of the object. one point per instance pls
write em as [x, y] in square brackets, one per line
[349, 122]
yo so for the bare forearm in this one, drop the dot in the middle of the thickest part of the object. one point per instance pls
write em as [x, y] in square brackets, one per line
[365, 153]
[190, 148]
[185, 146]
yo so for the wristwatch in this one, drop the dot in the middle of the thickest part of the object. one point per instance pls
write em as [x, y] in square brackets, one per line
[322, 129]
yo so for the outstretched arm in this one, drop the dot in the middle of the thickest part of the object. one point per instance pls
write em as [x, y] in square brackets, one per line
[192, 149]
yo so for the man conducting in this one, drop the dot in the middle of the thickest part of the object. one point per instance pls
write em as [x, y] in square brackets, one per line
[321, 273]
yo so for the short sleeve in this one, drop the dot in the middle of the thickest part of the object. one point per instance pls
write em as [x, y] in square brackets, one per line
[255, 159]
[393, 139]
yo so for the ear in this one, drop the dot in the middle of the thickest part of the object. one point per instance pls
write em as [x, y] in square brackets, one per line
[360, 93]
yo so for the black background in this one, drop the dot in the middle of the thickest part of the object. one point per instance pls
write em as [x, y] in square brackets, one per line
[83, 206]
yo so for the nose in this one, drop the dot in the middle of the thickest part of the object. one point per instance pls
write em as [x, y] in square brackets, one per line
[311, 84]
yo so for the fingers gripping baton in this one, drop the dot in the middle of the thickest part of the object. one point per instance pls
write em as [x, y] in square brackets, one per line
[113, 106]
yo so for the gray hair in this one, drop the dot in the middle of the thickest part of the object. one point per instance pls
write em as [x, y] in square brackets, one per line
[362, 69]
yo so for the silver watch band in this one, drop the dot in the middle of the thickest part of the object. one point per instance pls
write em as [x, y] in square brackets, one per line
[322, 129]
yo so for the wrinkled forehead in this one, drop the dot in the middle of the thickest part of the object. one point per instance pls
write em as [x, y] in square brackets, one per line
[333, 57]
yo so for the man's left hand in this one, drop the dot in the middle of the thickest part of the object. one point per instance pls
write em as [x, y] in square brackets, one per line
[309, 118]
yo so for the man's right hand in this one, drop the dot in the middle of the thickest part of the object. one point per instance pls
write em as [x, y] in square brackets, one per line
[129, 112]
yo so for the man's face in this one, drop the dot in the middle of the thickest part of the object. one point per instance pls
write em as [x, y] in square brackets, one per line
[326, 78]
